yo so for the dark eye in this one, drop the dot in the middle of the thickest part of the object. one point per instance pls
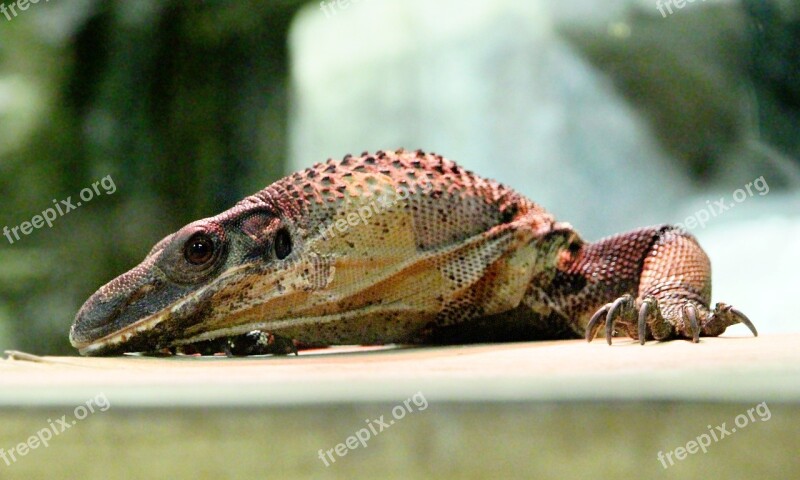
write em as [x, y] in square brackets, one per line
[199, 249]
[283, 244]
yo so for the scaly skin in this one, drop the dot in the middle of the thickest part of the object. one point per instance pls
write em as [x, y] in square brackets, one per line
[399, 247]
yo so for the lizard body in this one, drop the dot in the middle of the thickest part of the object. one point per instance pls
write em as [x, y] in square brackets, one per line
[400, 247]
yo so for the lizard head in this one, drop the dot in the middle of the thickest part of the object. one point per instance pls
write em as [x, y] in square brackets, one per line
[174, 294]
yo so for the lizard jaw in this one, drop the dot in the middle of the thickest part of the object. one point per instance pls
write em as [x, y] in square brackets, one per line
[106, 344]
[189, 318]
[99, 330]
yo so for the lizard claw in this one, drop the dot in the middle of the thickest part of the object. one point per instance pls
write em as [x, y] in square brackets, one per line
[690, 311]
[746, 321]
[724, 316]
[648, 306]
[594, 322]
[618, 308]
[623, 302]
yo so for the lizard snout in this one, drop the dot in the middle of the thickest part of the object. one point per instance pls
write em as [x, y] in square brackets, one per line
[110, 317]
[94, 319]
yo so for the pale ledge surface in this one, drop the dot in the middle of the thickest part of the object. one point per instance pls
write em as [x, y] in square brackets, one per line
[734, 367]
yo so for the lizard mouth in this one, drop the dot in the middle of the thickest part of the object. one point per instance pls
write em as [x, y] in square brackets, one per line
[105, 330]
[118, 342]
[164, 329]
[139, 312]
[138, 338]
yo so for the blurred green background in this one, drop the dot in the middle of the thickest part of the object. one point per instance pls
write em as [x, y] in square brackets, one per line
[595, 111]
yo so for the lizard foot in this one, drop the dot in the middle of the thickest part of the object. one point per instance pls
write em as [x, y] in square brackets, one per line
[254, 342]
[646, 317]
[259, 343]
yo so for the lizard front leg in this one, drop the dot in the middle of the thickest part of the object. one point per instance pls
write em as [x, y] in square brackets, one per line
[665, 289]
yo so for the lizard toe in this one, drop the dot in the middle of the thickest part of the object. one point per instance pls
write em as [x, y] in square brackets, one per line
[594, 323]
[620, 311]
[724, 316]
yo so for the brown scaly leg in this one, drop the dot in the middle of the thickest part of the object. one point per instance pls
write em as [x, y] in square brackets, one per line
[673, 295]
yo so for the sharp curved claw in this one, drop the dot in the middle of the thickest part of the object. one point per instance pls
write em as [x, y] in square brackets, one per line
[610, 322]
[612, 312]
[591, 327]
[743, 319]
[691, 313]
[644, 310]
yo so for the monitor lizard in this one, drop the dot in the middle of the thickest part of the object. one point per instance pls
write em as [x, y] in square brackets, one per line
[399, 247]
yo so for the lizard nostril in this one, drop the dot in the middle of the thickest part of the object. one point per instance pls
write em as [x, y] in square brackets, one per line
[96, 317]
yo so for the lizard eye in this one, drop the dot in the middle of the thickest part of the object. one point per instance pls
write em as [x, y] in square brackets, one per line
[283, 244]
[199, 249]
